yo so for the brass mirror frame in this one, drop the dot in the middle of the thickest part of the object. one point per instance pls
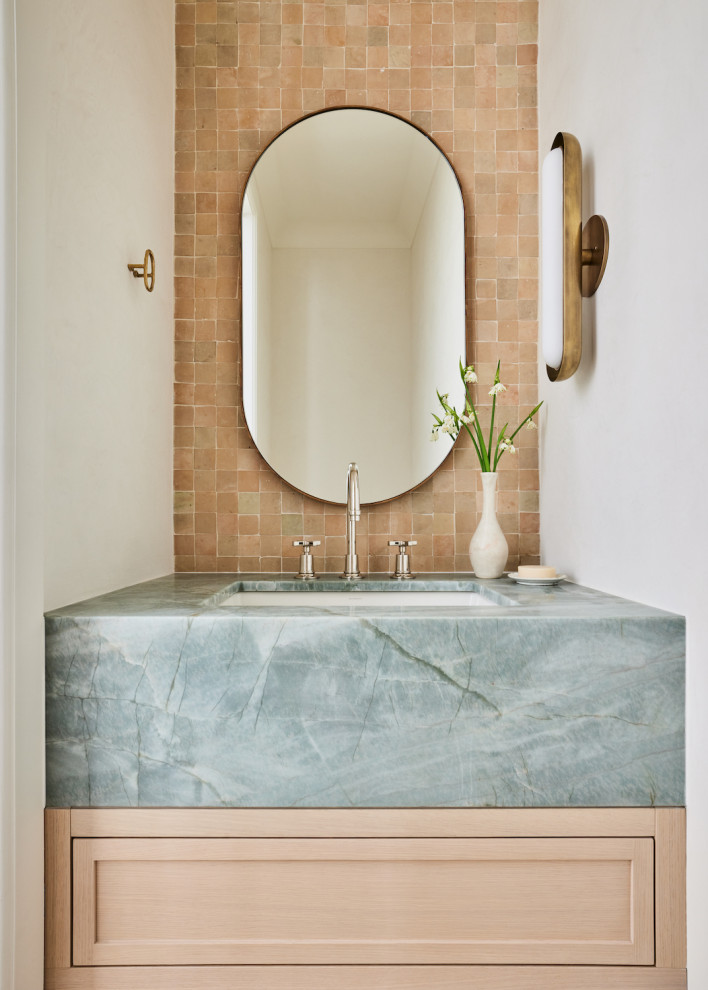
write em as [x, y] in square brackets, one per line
[306, 116]
[585, 251]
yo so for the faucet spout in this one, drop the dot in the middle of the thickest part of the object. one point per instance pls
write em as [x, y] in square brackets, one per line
[353, 500]
[351, 561]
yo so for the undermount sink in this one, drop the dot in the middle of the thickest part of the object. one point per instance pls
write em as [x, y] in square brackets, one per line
[369, 599]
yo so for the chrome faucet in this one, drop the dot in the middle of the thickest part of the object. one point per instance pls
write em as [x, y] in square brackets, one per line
[351, 561]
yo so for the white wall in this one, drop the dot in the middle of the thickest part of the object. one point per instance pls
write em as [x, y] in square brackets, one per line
[7, 393]
[437, 312]
[109, 343]
[624, 468]
[263, 351]
[333, 309]
[94, 350]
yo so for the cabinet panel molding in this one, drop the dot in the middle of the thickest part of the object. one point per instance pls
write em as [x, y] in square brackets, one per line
[427, 833]
[361, 822]
[349, 901]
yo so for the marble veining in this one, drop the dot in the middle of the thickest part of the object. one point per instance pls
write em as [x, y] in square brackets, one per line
[159, 696]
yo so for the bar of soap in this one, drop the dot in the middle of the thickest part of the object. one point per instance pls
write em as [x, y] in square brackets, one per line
[535, 571]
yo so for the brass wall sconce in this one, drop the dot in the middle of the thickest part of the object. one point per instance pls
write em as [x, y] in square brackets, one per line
[145, 271]
[573, 256]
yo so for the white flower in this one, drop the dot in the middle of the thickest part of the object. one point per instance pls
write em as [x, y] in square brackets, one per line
[444, 397]
[448, 425]
[531, 425]
[496, 389]
[434, 434]
[467, 419]
[470, 375]
[506, 444]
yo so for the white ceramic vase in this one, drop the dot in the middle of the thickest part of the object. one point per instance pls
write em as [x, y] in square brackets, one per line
[488, 547]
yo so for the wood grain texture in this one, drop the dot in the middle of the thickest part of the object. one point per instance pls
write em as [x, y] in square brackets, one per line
[84, 905]
[670, 887]
[57, 889]
[357, 901]
[368, 978]
[364, 822]
[667, 825]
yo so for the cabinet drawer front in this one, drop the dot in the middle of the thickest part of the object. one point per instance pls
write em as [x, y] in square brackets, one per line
[348, 901]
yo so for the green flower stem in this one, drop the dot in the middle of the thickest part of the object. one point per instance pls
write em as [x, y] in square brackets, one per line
[494, 407]
[482, 453]
[479, 456]
[497, 452]
[524, 421]
[491, 425]
[484, 459]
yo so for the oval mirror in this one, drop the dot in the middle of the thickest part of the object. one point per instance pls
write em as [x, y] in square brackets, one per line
[353, 303]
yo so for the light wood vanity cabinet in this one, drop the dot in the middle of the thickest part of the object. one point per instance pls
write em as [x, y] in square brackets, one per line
[308, 899]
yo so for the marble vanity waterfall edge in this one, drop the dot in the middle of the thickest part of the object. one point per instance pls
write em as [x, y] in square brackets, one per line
[565, 696]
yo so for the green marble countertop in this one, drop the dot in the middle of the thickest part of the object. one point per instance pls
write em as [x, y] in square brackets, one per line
[157, 695]
[194, 594]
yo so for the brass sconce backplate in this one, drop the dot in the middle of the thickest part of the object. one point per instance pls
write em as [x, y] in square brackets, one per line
[595, 246]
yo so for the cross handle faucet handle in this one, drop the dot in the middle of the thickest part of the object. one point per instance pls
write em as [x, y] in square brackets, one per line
[307, 567]
[403, 560]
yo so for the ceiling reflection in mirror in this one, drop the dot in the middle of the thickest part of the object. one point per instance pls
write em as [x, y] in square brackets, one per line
[353, 302]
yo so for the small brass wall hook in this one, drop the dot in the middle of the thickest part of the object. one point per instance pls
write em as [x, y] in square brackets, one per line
[146, 271]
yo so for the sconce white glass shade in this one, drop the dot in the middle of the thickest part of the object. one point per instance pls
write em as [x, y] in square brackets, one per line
[552, 258]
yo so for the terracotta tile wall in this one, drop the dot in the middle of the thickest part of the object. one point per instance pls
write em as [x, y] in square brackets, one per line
[466, 73]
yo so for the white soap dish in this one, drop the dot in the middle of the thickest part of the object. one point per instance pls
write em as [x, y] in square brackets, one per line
[539, 581]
